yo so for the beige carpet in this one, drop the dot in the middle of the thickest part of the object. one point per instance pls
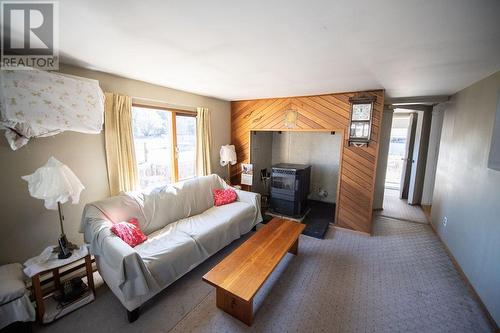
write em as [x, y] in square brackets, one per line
[400, 209]
[399, 280]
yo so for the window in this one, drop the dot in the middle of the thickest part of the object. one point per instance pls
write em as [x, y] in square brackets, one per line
[165, 146]
[186, 146]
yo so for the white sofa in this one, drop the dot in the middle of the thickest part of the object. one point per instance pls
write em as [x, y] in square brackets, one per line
[183, 227]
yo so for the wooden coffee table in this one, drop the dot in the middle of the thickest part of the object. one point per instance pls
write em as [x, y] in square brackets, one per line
[240, 275]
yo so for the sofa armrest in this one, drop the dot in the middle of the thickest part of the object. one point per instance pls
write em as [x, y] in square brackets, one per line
[248, 197]
[253, 199]
[133, 278]
[116, 252]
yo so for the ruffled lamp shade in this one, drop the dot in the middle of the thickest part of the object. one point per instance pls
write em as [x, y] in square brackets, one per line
[54, 182]
[228, 157]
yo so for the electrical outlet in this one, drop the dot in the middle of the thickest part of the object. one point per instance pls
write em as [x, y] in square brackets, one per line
[445, 221]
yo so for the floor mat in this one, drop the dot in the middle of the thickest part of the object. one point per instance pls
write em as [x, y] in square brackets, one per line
[318, 219]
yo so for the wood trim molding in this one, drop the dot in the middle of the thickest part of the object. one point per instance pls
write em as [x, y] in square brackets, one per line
[173, 139]
[329, 112]
[419, 99]
[164, 108]
[493, 325]
[173, 132]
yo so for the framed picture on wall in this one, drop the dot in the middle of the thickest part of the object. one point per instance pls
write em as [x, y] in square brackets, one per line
[494, 157]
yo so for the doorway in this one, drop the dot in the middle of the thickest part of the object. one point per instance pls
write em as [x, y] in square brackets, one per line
[401, 181]
[398, 152]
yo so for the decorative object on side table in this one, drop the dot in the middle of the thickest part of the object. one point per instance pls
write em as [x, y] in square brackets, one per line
[247, 175]
[67, 295]
[56, 184]
[228, 157]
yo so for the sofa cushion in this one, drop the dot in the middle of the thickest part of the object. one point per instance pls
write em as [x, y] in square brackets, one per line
[178, 201]
[169, 254]
[197, 193]
[218, 226]
[178, 247]
[12, 285]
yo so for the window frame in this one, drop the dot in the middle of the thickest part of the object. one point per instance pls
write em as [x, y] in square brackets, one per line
[173, 133]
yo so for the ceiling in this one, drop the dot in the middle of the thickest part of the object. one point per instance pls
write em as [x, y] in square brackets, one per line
[237, 50]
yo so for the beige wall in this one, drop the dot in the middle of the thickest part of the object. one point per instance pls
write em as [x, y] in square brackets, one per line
[321, 150]
[467, 192]
[26, 226]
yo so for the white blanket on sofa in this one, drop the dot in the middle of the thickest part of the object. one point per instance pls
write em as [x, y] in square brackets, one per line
[180, 246]
[184, 228]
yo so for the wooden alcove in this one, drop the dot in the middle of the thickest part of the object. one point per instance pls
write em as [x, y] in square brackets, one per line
[329, 112]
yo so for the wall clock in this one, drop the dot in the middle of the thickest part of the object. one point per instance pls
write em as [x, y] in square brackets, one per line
[361, 120]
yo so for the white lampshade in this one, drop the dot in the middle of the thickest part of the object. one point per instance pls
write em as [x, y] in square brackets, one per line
[54, 182]
[227, 155]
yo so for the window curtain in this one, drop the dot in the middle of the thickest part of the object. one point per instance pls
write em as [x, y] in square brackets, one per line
[203, 139]
[119, 142]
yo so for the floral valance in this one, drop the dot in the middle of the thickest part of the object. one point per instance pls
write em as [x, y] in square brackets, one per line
[35, 103]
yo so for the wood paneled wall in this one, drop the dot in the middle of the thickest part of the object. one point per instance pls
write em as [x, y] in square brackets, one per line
[323, 112]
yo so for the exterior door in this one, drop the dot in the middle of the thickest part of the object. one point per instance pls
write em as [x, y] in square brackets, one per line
[408, 158]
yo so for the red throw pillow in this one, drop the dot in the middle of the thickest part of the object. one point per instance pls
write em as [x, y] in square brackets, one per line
[224, 197]
[129, 232]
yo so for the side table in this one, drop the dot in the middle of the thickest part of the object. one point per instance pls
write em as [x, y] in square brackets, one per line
[47, 308]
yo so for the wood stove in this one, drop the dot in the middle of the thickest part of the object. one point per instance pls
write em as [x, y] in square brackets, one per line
[290, 188]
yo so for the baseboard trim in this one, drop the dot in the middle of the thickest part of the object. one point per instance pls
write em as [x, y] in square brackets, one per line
[492, 322]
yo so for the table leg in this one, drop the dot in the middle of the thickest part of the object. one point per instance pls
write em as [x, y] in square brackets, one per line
[90, 275]
[294, 249]
[37, 290]
[235, 306]
[57, 278]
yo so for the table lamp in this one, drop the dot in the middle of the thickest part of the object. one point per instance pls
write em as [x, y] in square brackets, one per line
[56, 184]
[228, 157]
